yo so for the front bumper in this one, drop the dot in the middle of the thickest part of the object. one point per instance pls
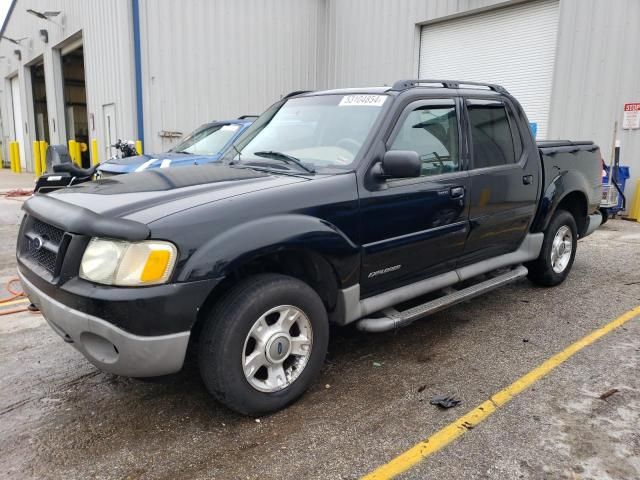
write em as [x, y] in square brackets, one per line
[108, 347]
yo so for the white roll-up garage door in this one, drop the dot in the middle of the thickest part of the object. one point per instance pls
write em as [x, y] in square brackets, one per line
[513, 46]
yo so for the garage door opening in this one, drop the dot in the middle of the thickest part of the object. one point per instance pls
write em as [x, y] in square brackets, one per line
[39, 94]
[512, 46]
[75, 100]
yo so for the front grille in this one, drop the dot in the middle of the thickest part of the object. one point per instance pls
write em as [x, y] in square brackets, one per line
[48, 231]
[45, 258]
[42, 243]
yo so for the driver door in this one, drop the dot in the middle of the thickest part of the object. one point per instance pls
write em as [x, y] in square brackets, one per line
[413, 228]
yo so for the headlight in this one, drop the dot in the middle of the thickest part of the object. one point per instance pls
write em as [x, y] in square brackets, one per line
[115, 262]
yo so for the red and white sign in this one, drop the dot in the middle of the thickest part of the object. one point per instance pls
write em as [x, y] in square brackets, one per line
[631, 117]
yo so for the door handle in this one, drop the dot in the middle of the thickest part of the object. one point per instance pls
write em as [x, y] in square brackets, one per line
[456, 192]
[527, 179]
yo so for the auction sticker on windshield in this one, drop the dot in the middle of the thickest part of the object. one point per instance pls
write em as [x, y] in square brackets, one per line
[362, 100]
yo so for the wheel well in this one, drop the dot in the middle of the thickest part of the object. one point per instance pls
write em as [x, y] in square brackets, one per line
[576, 204]
[307, 266]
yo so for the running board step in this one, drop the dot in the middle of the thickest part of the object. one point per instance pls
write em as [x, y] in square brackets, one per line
[395, 319]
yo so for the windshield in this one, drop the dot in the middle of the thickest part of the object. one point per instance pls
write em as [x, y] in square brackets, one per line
[319, 131]
[207, 140]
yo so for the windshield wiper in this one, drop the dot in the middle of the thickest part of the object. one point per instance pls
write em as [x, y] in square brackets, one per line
[233, 160]
[285, 158]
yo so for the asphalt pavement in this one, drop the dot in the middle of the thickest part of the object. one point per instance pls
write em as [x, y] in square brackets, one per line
[62, 418]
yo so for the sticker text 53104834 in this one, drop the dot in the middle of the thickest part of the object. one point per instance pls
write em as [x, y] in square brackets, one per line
[362, 100]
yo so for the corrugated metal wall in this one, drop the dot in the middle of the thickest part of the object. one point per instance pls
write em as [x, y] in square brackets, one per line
[108, 56]
[205, 60]
[374, 42]
[597, 72]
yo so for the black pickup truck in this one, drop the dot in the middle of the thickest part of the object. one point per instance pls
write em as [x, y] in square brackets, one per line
[373, 206]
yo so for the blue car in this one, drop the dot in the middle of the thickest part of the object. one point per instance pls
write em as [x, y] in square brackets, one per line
[205, 145]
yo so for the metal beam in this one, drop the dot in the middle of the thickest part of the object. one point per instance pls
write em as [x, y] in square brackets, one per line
[135, 7]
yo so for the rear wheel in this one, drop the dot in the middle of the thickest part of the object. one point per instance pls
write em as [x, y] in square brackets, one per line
[558, 251]
[263, 344]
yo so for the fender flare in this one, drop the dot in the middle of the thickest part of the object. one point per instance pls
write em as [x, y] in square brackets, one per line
[565, 183]
[245, 242]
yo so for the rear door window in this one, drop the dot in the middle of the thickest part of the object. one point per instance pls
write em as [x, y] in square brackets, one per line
[491, 134]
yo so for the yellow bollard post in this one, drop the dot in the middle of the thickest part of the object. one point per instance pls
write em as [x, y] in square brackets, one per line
[17, 156]
[43, 156]
[139, 147]
[12, 156]
[634, 211]
[37, 163]
[78, 154]
[94, 152]
[80, 147]
[73, 150]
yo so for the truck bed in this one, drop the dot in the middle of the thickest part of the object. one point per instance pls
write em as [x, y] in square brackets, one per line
[580, 160]
[551, 144]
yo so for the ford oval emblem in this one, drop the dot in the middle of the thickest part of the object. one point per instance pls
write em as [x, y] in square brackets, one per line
[38, 243]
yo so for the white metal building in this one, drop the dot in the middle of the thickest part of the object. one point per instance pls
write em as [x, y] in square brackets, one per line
[155, 69]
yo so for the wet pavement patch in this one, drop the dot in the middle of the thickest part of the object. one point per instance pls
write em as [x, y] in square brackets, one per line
[62, 418]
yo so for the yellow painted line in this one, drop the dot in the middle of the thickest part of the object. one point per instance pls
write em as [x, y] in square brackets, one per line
[15, 302]
[448, 434]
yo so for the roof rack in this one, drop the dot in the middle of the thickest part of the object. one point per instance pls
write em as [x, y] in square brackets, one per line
[244, 117]
[406, 84]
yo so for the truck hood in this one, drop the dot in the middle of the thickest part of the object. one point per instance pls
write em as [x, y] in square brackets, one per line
[150, 195]
[151, 161]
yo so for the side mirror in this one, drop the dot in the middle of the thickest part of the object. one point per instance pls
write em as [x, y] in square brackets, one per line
[401, 164]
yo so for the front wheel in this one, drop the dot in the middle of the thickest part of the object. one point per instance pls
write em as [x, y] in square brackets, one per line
[558, 251]
[263, 344]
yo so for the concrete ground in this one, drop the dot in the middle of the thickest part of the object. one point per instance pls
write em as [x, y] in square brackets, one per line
[62, 418]
[11, 181]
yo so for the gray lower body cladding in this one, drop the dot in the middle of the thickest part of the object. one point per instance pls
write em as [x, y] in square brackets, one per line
[395, 319]
[356, 308]
[108, 347]
[595, 220]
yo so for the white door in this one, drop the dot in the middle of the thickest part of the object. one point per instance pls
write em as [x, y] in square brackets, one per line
[17, 119]
[513, 46]
[110, 131]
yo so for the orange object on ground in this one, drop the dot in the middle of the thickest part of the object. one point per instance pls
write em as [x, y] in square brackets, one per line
[14, 293]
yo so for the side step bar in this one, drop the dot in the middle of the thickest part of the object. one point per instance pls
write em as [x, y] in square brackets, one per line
[395, 319]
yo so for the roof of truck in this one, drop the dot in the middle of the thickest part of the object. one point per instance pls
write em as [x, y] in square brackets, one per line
[403, 85]
[348, 91]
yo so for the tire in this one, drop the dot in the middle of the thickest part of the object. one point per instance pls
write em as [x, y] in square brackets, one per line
[605, 215]
[544, 271]
[229, 342]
